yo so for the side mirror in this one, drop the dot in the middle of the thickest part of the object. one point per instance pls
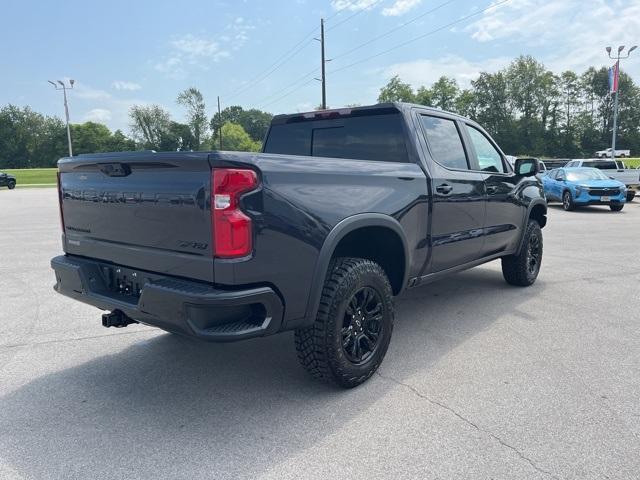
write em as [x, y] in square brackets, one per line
[527, 167]
[612, 178]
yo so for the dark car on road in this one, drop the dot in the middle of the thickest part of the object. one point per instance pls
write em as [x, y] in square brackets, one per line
[7, 180]
[342, 211]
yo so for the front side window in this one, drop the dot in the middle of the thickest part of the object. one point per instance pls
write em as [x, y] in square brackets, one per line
[445, 142]
[489, 159]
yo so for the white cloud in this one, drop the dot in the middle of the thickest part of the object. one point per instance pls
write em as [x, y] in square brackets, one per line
[196, 48]
[400, 7]
[522, 18]
[101, 115]
[427, 71]
[128, 86]
[570, 34]
[89, 93]
[352, 5]
[201, 51]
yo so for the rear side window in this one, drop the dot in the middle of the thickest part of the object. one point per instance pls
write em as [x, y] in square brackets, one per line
[371, 137]
[445, 142]
[601, 165]
[291, 139]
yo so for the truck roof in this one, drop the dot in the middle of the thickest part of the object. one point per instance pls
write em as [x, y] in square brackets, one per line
[355, 111]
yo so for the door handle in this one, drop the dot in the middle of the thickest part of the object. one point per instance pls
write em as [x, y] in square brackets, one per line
[491, 190]
[444, 189]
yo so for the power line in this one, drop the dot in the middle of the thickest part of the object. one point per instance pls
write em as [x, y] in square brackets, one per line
[287, 94]
[450, 24]
[288, 55]
[277, 64]
[267, 100]
[420, 37]
[358, 12]
[313, 71]
[393, 30]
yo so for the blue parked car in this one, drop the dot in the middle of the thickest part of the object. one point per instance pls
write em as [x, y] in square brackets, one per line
[575, 187]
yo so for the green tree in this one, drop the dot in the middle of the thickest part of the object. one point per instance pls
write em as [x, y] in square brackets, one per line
[235, 138]
[255, 122]
[149, 124]
[177, 137]
[90, 137]
[396, 91]
[29, 139]
[465, 103]
[193, 101]
[119, 142]
[492, 108]
[444, 93]
[424, 96]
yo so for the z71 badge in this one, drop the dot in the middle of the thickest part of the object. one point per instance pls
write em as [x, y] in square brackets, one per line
[194, 245]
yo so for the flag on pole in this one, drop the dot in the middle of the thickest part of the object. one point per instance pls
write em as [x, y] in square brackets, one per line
[614, 77]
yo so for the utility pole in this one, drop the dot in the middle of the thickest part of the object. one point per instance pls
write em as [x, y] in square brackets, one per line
[323, 63]
[616, 84]
[63, 87]
[324, 77]
[220, 120]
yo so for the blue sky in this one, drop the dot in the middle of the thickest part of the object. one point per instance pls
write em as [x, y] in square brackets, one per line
[126, 52]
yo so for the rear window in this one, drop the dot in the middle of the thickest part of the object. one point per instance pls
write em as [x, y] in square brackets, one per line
[601, 165]
[371, 137]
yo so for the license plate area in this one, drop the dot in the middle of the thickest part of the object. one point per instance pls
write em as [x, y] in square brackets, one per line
[605, 198]
[124, 281]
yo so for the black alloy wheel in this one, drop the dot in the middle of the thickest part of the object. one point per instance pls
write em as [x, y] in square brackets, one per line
[362, 325]
[534, 255]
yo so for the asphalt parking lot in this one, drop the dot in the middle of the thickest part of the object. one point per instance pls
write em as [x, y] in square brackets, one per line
[482, 380]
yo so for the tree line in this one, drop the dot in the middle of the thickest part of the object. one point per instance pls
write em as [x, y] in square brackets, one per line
[530, 110]
[29, 139]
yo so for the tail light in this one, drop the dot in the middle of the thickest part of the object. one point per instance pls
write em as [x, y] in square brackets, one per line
[232, 229]
[59, 182]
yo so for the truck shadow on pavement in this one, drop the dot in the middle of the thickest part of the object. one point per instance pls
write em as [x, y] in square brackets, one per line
[171, 407]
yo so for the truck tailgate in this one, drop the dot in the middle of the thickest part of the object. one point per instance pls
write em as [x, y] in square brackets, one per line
[143, 210]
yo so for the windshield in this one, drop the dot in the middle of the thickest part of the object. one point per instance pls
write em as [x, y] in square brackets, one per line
[582, 174]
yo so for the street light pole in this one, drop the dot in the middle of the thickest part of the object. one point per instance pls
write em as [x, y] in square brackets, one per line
[615, 102]
[64, 87]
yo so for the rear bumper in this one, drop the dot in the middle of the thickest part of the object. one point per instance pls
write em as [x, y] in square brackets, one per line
[176, 305]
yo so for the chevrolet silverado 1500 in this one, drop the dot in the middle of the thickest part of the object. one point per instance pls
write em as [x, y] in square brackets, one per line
[342, 211]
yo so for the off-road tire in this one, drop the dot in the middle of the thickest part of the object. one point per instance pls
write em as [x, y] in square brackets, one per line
[616, 208]
[516, 269]
[320, 346]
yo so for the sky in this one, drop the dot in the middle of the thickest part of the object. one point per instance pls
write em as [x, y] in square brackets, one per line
[262, 53]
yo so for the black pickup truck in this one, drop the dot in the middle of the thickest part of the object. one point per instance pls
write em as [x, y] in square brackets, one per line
[7, 180]
[342, 211]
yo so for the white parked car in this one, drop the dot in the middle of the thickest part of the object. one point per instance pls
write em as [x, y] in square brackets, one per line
[607, 153]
